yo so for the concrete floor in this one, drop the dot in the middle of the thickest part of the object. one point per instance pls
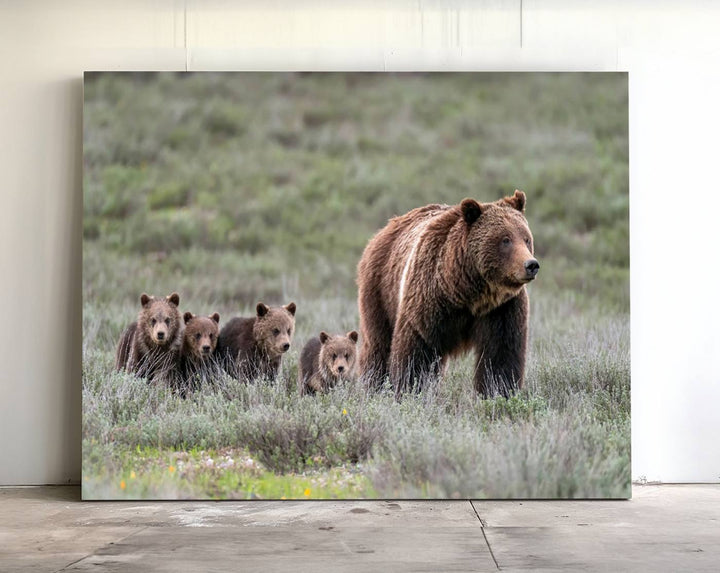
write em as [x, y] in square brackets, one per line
[663, 528]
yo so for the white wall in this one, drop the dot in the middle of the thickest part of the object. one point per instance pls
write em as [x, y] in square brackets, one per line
[671, 49]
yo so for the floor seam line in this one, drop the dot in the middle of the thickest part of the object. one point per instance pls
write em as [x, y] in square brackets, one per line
[104, 545]
[482, 528]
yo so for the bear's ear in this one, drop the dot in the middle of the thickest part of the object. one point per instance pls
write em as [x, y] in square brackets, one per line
[216, 317]
[324, 337]
[470, 210]
[517, 200]
[291, 308]
[353, 336]
[145, 299]
[262, 309]
[174, 298]
[187, 317]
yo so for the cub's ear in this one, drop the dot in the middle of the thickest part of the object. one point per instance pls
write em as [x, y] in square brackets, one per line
[174, 298]
[187, 317]
[471, 210]
[324, 337]
[353, 336]
[517, 200]
[216, 317]
[291, 308]
[262, 309]
[145, 299]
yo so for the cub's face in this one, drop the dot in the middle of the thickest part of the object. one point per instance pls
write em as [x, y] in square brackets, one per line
[160, 318]
[201, 334]
[337, 354]
[500, 243]
[274, 328]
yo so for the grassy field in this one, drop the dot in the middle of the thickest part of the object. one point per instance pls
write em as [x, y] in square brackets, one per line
[236, 188]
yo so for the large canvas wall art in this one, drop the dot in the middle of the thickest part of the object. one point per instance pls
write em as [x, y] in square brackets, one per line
[356, 286]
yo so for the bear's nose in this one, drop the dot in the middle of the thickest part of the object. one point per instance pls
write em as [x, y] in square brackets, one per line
[160, 335]
[532, 267]
[286, 346]
[206, 349]
[341, 369]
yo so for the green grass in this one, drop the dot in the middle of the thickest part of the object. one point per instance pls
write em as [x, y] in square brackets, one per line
[228, 473]
[236, 188]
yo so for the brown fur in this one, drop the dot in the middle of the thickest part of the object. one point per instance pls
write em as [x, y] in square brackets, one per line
[253, 347]
[197, 361]
[441, 280]
[150, 346]
[325, 360]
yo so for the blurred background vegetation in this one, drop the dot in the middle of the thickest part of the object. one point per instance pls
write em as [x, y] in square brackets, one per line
[237, 187]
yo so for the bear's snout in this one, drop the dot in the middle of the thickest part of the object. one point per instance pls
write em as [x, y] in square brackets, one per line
[160, 335]
[341, 369]
[206, 349]
[531, 268]
[286, 347]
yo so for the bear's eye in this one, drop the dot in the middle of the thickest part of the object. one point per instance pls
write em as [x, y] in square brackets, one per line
[276, 331]
[527, 241]
[347, 357]
[154, 322]
[334, 356]
[212, 336]
[288, 332]
[167, 321]
[197, 336]
[506, 241]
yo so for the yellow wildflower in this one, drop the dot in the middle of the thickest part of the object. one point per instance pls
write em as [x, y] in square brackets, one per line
[171, 469]
[344, 412]
[132, 475]
[307, 492]
[122, 484]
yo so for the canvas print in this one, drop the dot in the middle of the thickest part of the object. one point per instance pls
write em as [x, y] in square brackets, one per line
[356, 286]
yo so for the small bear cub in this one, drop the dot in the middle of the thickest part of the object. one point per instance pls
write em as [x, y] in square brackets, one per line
[150, 346]
[197, 363]
[325, 360]
[253, 347]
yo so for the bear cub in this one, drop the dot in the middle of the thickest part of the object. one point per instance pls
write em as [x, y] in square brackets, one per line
[197, 361]
[252, 348]
[325, 360]
[150, 346]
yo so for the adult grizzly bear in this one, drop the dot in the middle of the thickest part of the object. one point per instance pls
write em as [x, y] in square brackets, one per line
[441, 280]
[253, 347]
[150, 346]
[325, 360]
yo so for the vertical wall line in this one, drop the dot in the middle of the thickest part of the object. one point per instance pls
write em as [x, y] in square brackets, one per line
[185, 35]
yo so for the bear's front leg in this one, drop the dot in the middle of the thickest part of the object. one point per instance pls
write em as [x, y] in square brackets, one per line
[376, 338]
[500, 340]
[133, 361]
[314, 385]
[412, 361]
